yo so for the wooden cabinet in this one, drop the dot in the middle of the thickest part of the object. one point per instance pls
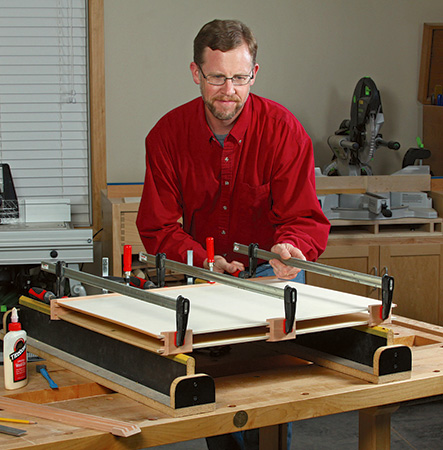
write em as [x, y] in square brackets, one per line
[418, 273]
[433, 137]
[359, 258]
[430, 82]
[119, 208]
[414, 260]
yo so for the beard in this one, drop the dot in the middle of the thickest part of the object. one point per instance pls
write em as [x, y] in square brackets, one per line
[222, 114]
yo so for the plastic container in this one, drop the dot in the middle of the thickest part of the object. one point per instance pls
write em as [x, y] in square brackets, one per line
[15, 361]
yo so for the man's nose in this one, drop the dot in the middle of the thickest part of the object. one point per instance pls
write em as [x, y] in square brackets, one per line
[228, 88]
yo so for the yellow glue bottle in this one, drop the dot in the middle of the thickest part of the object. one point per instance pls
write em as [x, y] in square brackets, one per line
[15, 354]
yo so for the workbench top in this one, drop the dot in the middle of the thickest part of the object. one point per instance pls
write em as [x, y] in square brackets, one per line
[284, 393]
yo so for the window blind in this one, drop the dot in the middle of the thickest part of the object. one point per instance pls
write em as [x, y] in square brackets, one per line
[44, 107]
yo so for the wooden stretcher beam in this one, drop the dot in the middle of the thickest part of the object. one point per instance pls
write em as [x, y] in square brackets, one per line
[130, 369]
[180, 390]
[366, 353]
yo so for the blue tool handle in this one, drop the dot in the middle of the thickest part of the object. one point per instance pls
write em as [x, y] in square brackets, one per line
[52, 385]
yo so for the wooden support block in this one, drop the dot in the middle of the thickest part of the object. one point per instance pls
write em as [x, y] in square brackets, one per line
[375, 312]
[277, 330]
[55, 309]
[196, 390]
[375, 315]
[169, 347]
[393, 360]
[116, 427]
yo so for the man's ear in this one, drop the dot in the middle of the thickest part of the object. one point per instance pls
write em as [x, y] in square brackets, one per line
[255, 70]
[195, 72]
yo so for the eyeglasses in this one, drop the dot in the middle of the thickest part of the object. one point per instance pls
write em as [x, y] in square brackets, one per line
[220, 80]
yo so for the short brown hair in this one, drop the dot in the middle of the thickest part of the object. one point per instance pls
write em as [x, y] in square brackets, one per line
[224, 35]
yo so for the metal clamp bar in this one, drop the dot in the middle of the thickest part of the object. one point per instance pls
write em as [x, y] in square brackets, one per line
[321, 269]
[103, 283]
[214, 276]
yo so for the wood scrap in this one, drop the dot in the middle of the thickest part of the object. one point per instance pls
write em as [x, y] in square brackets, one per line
[116, 427]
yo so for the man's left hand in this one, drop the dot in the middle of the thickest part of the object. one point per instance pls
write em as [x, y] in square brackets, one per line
[285, 251]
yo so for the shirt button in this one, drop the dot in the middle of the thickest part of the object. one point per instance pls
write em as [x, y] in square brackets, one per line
[223, 232]
[225, 207]
[225, 255]
[226, 159]
[226, 183]
[239, 141]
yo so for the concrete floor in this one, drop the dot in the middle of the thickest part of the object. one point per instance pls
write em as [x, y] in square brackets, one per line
[417, 426]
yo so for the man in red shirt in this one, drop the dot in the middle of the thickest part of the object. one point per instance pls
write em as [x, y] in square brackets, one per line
[231, 165]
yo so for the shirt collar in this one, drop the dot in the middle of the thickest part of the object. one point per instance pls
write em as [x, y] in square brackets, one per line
[240, 127]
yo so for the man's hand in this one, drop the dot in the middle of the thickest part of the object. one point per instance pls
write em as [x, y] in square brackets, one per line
[285, 251]
[222, 266]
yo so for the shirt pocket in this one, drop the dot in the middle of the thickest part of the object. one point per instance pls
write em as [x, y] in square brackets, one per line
[254, 203]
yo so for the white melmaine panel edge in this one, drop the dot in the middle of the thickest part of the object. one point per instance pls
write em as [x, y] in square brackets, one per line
[217, 307]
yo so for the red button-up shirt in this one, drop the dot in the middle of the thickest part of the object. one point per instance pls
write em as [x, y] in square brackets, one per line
[258, 188]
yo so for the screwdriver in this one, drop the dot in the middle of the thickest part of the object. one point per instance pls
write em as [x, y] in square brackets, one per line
[141, 283]
[41, 294]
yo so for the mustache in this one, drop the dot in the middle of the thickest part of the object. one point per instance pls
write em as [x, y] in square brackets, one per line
[225, 98]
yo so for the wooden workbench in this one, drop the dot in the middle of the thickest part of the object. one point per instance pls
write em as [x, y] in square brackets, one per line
[269, 398]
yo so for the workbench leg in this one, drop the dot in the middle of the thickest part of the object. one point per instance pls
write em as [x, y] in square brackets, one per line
[274, 437]
[375, 428]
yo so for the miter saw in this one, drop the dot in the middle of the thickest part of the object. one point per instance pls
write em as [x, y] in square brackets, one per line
[355, 142]
[354, 146]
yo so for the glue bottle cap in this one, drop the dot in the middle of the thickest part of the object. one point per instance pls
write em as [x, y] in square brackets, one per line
[15, 325]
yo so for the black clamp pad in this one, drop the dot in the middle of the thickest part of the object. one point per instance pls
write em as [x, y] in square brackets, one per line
[252, 253]
[160, 262]
[60, 279]
[290, 300]
[387, 292]
[181, 316]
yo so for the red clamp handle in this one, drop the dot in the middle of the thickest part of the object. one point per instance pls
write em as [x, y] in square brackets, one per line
[210, 249]
[127, 258]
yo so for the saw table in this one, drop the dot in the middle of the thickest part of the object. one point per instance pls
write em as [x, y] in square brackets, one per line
[262, 399]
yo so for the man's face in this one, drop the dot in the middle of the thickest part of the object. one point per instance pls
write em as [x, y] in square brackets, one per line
[224, 103]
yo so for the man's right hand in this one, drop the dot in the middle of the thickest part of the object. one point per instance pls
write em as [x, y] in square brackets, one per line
[222, 266]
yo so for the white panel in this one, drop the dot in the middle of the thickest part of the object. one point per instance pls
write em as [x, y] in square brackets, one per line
[216, 307]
